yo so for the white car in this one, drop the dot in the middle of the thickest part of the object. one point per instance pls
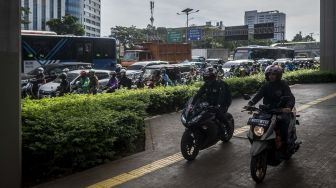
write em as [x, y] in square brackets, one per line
[48, 89]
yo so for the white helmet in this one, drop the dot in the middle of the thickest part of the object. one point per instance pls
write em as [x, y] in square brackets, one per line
[123, 71]
[40, 69]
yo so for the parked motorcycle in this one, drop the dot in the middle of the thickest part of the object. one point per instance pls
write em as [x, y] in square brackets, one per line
[203, 129]
[264, 136]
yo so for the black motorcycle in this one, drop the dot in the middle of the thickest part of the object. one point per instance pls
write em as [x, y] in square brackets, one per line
[203, 129]
[264, 136]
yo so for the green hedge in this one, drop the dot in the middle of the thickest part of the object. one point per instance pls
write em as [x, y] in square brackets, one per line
[74, 132]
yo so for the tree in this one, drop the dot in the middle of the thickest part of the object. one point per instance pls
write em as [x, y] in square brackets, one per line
[129, 36]
[299, 38]
[66, 25]
[25, 11]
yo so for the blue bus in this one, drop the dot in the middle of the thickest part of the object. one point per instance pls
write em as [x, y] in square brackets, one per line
[263, 52]
[43, 48]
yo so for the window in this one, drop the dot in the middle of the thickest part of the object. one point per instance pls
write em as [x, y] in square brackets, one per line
[102, 75]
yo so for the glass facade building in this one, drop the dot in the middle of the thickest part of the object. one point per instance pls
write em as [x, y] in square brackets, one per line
[41, 11]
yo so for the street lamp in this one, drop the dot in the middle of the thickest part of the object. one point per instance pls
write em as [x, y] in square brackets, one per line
[187, 11]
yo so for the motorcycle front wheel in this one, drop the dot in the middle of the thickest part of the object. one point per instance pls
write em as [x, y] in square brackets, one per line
[189, 145]
[259, 167]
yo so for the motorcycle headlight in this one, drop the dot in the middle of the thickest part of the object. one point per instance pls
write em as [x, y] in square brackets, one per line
[258, 131]
[183, 119]
[195, 119]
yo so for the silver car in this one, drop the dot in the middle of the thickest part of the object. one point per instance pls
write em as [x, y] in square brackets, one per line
[49, 89]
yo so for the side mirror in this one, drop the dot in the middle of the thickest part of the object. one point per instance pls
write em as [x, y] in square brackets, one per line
[246, 97]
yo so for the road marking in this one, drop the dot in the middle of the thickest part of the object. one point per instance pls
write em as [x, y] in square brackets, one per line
[156, 165]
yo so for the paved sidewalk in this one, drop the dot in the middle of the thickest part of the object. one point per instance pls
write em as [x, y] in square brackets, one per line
[227, 165]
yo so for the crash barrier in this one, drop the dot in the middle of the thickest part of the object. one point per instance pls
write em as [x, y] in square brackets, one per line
[66, 134]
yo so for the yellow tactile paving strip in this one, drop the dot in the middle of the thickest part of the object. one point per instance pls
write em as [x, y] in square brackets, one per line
[156, 165]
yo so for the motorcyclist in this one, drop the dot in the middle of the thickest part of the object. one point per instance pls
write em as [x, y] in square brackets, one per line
[192, 75]
[83, 84]
[166, 81]
[93, 84]
[39, 80]
[64, 86]
[216, 93]
[112, 84]
[124, 81]
[272, 92]
[220, 72]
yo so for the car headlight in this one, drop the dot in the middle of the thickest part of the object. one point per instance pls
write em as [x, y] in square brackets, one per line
[258, 131]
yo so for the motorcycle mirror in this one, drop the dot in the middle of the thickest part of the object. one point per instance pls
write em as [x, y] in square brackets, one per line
[246, 97]
[285, 98]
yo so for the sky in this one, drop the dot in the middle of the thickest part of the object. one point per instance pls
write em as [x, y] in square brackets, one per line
[301, 15]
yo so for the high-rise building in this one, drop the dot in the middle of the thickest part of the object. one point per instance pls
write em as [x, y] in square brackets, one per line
[41, 11]
[278, 18]
[91, 17]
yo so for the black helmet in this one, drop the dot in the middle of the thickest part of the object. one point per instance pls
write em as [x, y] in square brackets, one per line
[209, 74]
[63, 76]
[273, 69]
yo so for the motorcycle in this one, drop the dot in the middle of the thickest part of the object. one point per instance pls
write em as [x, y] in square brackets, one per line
[264, 136]
[203, 129]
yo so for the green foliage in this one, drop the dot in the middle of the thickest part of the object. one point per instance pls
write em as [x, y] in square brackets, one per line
[74, 132]
[25, 11]
[300, 38]
[128, 36]
[66, 25]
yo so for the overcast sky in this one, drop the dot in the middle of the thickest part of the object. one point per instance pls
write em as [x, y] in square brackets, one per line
[302, 15]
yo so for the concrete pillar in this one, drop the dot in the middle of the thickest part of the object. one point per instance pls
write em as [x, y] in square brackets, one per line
[10, 116]
[328, 35]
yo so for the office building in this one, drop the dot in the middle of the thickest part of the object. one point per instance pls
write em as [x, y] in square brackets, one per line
[41, 11]
[278, 18]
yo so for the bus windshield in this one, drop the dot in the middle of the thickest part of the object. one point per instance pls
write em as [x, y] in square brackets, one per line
[242, 54]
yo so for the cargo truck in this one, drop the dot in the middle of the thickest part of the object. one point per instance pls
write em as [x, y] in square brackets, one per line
[173, 53]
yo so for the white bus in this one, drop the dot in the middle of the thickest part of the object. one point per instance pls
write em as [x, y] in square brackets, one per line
[306, 49]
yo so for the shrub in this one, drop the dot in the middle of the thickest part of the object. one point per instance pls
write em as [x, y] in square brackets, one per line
[74, 132]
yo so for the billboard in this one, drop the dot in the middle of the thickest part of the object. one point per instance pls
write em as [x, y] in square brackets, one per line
[174, 37]
[194, 34]
[264, 31]
[236, 33]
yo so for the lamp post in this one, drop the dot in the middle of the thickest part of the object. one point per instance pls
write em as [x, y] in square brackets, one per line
[187, 11]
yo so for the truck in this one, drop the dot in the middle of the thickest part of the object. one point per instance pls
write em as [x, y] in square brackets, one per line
[154, 51]
[213, 53]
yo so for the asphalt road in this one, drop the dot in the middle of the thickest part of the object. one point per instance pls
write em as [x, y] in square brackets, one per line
[226, 165]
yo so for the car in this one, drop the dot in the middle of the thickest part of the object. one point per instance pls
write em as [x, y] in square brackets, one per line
[237, 63]
[198, 59]
[136, 69]
[213, 62]
[52, 70]
[48, 89]
[151, 70]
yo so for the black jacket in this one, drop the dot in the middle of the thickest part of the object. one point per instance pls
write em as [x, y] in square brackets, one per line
[215, 93]
[272, 93]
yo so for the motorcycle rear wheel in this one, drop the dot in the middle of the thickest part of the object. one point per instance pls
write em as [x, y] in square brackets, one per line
[258, 167]
[189, 145]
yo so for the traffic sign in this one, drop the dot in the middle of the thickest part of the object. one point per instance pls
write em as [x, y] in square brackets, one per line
[194, 34]
[236, 33]
[264, 31]
[174, 37]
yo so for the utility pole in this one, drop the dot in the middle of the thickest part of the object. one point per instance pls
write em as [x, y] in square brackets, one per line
[187, 11]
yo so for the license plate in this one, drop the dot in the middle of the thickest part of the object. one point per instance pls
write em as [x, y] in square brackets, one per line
[259, 121]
